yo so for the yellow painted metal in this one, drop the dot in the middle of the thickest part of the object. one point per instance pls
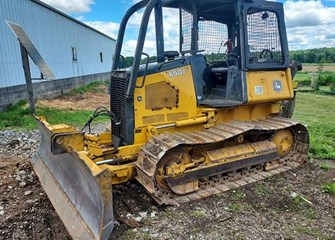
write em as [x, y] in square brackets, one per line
[173, 163]
[191, 121]
[148, 121]
[187, 105]
[129, 152]
[261, 86]
[295, 84]
[160, 95]
[233, 153]
[71, 141]
[93, 167]
[121, 173]
[178, 169]
[102, 138]
[57, 128]
[250, 112]
[284, 141]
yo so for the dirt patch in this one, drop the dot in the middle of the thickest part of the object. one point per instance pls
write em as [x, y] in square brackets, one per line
[316, 68]
[27, 212]
[85, 101]
[263, 210]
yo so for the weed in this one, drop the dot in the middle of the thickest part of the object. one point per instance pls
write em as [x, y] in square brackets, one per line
[91, 87]
[310, 214]
[278, 179]
[237, 195]
[146, 236]
[169, 212]
[329, 188]
[131, 234]
[289, 187]
[235, 207]
[299, 200]
[313, 232]
[261, 191]
[198, 213]
[325, 166]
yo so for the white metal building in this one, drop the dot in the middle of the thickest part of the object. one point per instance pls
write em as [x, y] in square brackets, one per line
[68, 46]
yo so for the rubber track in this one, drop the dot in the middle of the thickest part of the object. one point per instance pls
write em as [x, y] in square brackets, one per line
[157, 147]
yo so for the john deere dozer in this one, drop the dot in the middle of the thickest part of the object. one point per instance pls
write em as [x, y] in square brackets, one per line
[196, 122]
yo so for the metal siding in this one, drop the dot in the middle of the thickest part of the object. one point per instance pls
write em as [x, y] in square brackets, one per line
[53, 36]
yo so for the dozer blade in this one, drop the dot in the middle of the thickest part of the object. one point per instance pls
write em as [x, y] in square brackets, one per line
[81, 197]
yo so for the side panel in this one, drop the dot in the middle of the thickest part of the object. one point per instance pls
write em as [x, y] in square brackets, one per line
[269, 86]
[165, 97]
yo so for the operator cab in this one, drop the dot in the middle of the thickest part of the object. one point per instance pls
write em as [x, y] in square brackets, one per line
[221, 42]
[228, 48]
[233, 37]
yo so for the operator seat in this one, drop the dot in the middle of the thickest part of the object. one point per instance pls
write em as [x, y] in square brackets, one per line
[171, 55]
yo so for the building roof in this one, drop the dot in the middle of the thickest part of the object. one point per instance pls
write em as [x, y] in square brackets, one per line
[69, 17]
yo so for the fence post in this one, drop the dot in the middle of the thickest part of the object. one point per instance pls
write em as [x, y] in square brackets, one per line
[315, 82]
[29, 84]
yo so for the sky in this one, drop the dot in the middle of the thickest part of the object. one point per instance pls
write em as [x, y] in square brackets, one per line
[310, 23]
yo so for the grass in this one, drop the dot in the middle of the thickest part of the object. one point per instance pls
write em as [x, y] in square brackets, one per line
[198, 213]
[310, 214]
[325, 166]
[18, 116]
[324, 78]
[313, 233]
[318, 112]
[237, 195]
[261, 190]
[300, 76]
[329, 188]
[91, 87]
[235, 207]
[298, 200]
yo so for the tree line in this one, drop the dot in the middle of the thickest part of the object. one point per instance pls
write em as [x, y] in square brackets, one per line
[317, 55]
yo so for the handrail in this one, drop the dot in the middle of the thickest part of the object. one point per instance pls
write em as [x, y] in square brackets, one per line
[139, 47]
[145, 71]
[120, 37]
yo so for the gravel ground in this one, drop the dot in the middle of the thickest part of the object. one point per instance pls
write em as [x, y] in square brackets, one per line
[289, 206]
[19, 143]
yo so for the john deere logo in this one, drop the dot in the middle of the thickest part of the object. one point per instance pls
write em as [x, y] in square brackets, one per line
[277, 86]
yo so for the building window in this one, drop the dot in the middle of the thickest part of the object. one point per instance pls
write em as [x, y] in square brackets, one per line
[74, 54]
[101, 58]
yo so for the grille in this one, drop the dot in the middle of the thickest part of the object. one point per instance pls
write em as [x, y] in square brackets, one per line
[212, 36]
[263, 37]
[187, 23]
[118, 104]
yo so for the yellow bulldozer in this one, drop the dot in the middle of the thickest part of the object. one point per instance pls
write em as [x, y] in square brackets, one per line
[194, 122]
